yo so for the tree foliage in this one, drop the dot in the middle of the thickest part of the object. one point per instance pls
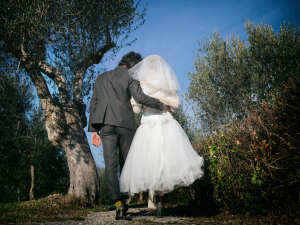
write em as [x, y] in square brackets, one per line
[24, 141]
[187, 123]
[104, 198]
[230, 77]
[15, 104]
[249, 95]
[67, 37]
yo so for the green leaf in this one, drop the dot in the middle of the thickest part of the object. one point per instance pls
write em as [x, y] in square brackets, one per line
[254, 178]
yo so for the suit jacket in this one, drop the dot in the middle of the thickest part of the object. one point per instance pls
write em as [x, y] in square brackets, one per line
[110, 103]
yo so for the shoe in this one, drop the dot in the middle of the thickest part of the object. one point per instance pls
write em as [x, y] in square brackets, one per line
[121, 214]
[123, 200]
[120, 210]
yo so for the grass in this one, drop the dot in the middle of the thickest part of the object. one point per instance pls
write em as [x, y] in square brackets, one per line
[52, 208]
[77, 218]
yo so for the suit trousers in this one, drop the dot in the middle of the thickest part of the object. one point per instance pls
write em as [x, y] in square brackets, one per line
[114, 138]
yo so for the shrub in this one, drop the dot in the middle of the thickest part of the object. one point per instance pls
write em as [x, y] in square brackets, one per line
[255, 164]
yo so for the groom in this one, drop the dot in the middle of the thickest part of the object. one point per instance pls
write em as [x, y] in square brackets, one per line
[111, 113]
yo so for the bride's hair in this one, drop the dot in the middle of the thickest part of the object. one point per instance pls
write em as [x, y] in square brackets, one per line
[130, 59]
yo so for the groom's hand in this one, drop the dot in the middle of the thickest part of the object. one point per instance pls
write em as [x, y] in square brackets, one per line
[96, 139]
[167, 108]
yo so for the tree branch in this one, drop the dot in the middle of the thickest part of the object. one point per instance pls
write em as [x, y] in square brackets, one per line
[37, 79]
[87, 62]
[57, 76]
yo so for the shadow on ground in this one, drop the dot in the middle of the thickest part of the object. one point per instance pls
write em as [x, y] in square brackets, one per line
[175, 211]
[203, 215]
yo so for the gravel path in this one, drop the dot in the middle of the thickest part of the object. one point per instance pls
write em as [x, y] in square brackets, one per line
[137, 216]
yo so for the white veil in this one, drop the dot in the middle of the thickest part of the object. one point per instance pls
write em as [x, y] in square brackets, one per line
[156, 71]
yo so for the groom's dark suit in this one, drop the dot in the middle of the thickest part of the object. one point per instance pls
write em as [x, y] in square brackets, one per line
[111, 113]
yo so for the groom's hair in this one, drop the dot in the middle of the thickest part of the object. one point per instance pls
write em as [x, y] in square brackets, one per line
[130, 59]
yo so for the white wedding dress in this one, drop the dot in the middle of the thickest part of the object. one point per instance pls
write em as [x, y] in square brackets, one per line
[161, 157]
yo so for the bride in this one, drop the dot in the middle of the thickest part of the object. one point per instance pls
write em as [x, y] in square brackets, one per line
[161, 157]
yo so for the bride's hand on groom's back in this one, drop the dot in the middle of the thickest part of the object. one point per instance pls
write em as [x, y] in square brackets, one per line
[96, 139]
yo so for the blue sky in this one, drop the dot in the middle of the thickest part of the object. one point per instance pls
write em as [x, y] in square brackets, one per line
[173, 28]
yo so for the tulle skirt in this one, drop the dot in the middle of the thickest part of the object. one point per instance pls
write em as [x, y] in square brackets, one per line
[161, 157]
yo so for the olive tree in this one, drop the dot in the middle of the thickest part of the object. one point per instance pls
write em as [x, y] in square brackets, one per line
[58, 43]
[230, 77]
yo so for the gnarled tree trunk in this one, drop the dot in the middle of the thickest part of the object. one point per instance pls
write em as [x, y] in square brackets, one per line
[64, 121]
[64, 127]
[83, 173]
